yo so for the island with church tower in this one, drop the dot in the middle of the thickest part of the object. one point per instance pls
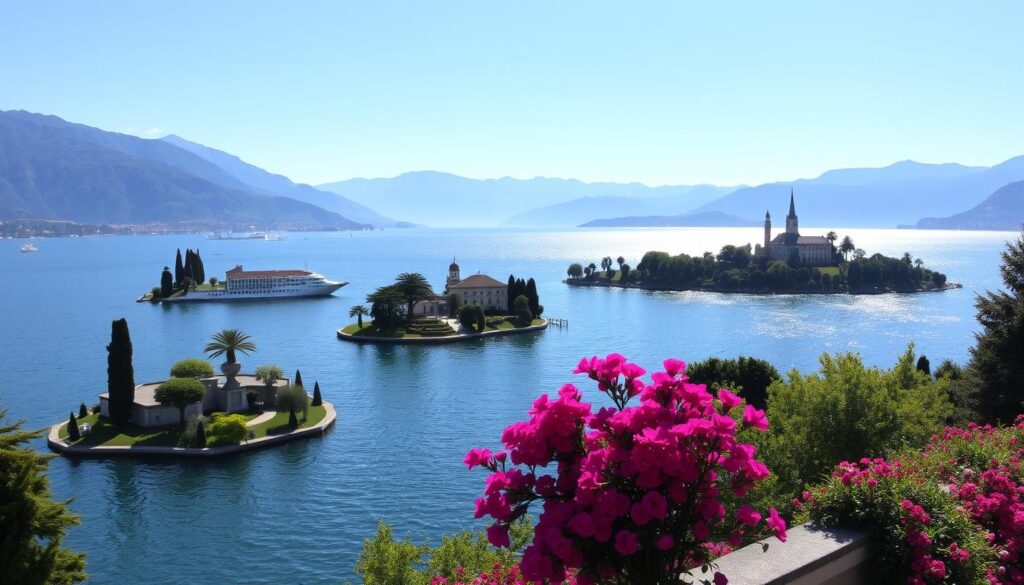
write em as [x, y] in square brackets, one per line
[789, 263]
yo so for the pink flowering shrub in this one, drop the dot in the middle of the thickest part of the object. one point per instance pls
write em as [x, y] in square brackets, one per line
[953, 513]
[498, 575]
[630, 493]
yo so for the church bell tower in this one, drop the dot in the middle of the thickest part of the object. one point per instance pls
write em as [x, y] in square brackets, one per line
[767, 230]
[791, 221]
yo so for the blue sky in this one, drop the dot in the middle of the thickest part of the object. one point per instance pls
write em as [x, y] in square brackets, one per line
[657, 92]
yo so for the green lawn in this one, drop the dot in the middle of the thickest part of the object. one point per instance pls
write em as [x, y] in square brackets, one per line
[279, 424]
[832, 270]
[371, 330]
[106, 433]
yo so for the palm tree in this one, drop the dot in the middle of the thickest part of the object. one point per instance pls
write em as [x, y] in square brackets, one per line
[846, 246]
[228, 341]
[414, 287]
[832, 237]
[358, 311]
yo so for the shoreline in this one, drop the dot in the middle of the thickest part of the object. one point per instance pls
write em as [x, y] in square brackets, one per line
[760, 292]
[58, 445]
[439, 340]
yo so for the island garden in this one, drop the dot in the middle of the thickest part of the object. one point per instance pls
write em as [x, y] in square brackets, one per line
[737, 269]
[409, 311]
[194, 412]
[189, 274]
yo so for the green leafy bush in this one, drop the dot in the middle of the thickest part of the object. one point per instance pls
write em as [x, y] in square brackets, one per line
[191, 368]
[293, 398]
[225, 429]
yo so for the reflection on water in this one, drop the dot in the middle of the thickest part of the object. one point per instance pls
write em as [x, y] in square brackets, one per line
[406, 414]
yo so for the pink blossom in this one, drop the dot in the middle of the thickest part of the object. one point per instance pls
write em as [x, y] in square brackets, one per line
[497, 535]
[626, 542]
[477, 457]
[777, 524]
[748, 515]
[728, 400]
[753, 417]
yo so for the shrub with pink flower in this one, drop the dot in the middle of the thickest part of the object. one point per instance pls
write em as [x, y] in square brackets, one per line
[953, 513]
[630, 493]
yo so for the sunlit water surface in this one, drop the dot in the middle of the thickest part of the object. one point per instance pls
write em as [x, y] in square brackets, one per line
[299, 513]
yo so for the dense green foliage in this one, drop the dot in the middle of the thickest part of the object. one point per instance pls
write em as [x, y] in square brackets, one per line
[847, 411]
[386, 561]
[179, 393]
[166, 283]
[884, 271]
[82, 411]
[747, 376]
[521, 310]
[318, 400]
[32, 524]
[73, 433]
[191, 368]
[269, 373]
[473, 317]
[120, 374]
[387, 307]
[413, 287]
[997, 359]
[179, 269]
[575, 270]
[293, 398]
[225, 429]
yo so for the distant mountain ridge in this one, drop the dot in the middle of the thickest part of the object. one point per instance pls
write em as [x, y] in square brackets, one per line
[585, 209]
[267, 183]
[898, 194]
[54, 169]
[1002, 210]
[443, 199]
[694, 219]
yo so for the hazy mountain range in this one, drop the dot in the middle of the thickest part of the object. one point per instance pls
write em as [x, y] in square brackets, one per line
[1002, 210]
[51, 169]
[442, 199]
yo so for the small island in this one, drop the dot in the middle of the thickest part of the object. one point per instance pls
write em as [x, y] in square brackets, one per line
[408, 311]
[188, 283]
[790, 263]
[194, 413]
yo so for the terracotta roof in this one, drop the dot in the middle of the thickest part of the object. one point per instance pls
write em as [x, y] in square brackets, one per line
[238, 272]
[478, 281]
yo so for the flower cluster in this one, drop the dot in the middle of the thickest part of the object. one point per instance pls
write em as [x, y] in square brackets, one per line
[498, 575]
[633, 492]
[960, 505]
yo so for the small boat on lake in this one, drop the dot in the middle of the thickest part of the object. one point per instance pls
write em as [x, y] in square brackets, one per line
[29, 247]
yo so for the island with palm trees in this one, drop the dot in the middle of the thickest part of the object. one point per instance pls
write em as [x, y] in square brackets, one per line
[842, 269]
[194, 412]
[409, 311]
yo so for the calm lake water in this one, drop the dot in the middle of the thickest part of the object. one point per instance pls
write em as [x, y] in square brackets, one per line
[407, 415]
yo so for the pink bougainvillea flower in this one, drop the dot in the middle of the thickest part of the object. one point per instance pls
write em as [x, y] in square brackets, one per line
[777, 524]
[497, 535]
[753, 417]
[728, 399]
[747, 515]
[626, 542]
[477, 457]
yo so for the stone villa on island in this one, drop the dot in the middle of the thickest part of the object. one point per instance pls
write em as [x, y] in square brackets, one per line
[813, 250]
[147, 412]
[478, 289]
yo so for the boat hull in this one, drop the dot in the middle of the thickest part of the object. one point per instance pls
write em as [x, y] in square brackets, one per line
[213, 296]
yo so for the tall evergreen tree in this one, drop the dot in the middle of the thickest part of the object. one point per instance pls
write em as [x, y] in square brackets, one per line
[166, 285]
[73, 433]
[200, 269]
[531, 295]
[82, 411]
[179, 269]
[189, 268]
[923, 365]
[32, 523]
[120, 373]
[293, 421]
[510, 290]
[317, 399]
[997, 360]
[298, 379]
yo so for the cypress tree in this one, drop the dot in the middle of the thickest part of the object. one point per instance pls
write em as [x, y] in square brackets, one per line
[188, 266]
[120, 373]
[293, 421]
[531, 295]
[298, 378]
[73, 433]
[179, 270]
[82, 411]
[166, 285]
[200, 435]
[200, 269]
[510, 291]
[923, 365]
[317, 400]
